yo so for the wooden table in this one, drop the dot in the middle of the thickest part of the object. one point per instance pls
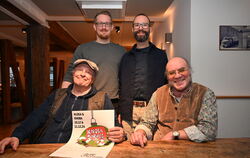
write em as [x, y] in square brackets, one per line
[226, 148]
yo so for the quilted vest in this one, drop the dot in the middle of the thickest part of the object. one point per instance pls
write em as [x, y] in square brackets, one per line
[96, 102]
[175, 116]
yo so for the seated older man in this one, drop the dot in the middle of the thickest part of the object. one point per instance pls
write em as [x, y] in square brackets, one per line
[52, 121]
[179, 110]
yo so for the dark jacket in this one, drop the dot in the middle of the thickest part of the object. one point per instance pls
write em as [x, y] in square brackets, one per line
[59, 129]
[155, 77]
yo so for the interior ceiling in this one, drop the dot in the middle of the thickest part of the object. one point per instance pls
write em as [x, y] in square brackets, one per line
[68, 15]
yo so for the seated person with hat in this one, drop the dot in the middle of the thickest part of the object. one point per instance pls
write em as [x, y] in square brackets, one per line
[52, 121]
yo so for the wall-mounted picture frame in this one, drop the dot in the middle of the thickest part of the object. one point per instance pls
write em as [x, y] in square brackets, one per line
[234, 37]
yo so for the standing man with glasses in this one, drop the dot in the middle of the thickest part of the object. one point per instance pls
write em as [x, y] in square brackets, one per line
[179, 110]
[141, 73]
[104, 53]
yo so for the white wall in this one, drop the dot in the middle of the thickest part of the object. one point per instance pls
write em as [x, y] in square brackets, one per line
[195, 25]
[233, 118]
[178, 23]
[226, 72]
[157, 35]
[181, 28]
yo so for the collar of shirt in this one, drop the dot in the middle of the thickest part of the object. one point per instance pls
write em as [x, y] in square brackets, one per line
[178, 99]
[92, 92]
[147, 49]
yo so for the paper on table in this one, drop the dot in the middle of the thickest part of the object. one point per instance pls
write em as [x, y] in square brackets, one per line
[81, 121]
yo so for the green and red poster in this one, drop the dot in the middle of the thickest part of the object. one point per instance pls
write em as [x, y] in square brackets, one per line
[89, 135]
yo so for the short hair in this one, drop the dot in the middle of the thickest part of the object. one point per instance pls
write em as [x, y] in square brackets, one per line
[142, 14]
[104, 12]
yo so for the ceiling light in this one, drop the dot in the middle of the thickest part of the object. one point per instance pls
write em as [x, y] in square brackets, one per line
[24, 30]
[117, 29]
[91, 7]
[102, 5]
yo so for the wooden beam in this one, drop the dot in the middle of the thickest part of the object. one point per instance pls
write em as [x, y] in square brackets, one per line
[59, 36]
[17, 12]
[5, 73]
[31, 9]
[61, 73]
[37, 65]
[233, 97]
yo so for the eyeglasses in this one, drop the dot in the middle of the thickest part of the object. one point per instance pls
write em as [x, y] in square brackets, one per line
[143, 25]
[101, 24]
[180, 71]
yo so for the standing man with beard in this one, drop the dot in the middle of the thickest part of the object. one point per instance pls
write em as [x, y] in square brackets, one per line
[141, 73]
[104, 53]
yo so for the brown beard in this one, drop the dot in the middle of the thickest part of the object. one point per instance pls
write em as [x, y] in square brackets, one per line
[143, 38]
[104, 37]
[100, 35]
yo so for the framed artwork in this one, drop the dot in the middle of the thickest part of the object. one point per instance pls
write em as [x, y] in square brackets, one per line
[234, 37]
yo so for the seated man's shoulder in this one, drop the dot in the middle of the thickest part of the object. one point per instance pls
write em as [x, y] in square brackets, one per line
[208, 90]
[163, 87]
[100, 92]
[99, 96]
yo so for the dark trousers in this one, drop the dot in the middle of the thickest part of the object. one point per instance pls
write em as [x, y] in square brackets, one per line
[115, 104]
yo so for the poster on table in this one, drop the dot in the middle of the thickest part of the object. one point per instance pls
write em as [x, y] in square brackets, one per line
[89, 135]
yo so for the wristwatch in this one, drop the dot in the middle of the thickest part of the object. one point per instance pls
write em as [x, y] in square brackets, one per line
[176, 134]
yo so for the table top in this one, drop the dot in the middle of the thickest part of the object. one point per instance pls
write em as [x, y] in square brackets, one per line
[224, 147]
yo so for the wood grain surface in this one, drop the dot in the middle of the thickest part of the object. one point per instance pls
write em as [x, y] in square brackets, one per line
[226, 148]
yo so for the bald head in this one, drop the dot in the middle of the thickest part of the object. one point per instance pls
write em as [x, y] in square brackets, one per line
[174, 62]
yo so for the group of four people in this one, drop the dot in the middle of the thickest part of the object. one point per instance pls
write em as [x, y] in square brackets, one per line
[153, 98]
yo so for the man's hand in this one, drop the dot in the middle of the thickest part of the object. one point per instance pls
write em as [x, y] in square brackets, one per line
[168, 136]
[13, 141]
[116, 134]
[138, 138]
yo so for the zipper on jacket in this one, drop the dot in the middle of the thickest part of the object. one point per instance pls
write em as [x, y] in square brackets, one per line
[64, 124]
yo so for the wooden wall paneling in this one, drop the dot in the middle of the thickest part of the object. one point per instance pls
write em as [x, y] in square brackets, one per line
[59, 36]
[19, 87]
[5, 74]
[61, 73]
[8, 59]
